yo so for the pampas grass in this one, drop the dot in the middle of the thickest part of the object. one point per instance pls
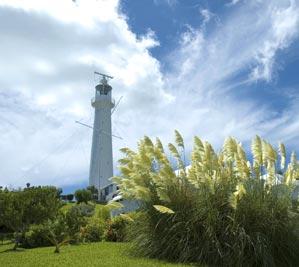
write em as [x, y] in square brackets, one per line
[222, 210]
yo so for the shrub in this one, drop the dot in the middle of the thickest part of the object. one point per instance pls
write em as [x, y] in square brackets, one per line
[116, 230]
[5, 237]
[36, 237]
[93, 231]
[104, 212]
[77, 217]
[57, 232]
[33, 205]
[222, 210]
[64, 228]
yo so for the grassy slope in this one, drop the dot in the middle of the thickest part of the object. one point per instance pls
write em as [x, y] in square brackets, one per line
[94, 254]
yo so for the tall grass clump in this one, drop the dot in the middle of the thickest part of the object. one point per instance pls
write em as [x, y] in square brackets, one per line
[222, 210]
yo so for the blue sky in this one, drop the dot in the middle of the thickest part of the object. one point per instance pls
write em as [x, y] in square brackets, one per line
[168, 19]
[206, 68]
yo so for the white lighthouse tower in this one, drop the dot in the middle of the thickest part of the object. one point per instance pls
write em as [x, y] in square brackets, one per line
[101, 162]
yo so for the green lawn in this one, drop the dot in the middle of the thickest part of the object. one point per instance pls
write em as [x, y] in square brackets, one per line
[94, 254]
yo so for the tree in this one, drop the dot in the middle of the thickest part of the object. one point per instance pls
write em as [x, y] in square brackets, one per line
[94, 191]
[57, 232]
[59, 192]
[19, 209]
[83, 196]
[63, 197]
[70, 197]
[76, 217]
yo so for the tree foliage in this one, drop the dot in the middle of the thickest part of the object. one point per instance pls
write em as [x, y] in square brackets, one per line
[57, 232]
[94, 192]
[77, 217]
[33, 205]
[83, 196]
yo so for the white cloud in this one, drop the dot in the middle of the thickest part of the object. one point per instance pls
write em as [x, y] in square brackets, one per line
[207, 15]
[284, 25]
[48, 57]
[249, 37]
[86, 13]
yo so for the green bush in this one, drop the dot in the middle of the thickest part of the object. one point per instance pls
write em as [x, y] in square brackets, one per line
[221, 211]
[76, 217]
[93, 231]
[5, 236]
[104, 212]
[64, 228]
[116, 230]
[57, 232]
[36, 237]
[19, 209]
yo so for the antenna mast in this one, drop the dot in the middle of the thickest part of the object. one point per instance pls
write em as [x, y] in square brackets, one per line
[105, 77]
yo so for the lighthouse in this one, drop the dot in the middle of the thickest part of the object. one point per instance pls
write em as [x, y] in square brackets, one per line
[101, 161]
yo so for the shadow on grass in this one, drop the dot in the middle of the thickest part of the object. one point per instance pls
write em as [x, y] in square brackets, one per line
[13, 250]
[5, 243]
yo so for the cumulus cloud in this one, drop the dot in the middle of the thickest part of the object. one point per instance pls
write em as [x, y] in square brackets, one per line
[49, 51]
